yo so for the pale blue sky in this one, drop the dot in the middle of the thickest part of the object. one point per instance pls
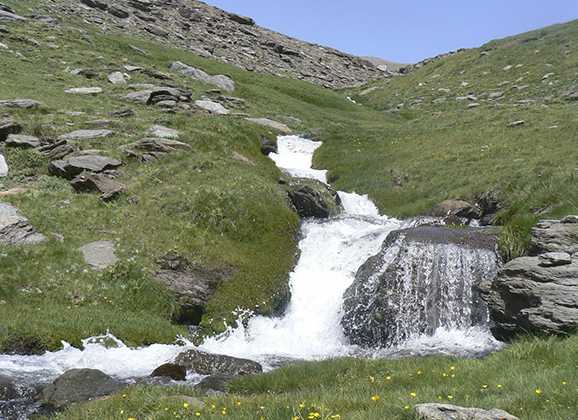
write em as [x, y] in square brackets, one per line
[405, 31]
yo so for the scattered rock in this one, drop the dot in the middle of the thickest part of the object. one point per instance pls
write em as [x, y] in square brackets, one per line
[7, 16]
[222, 82]
[212, 107]
[86, 135]
[84, 90]
[156, 95]
[313, 198]
[163, 132]
[171, 370]
[268, 146]
[212, 364]
[192, 284]
[8, 126]
[88, 73]
[79, 385]
[572, 219]
[71, 167]
[117, 11]
[56, 150]
[555, 259]
[554, 236]
[243, 20]
[15, 229]
[20, 104]
[22, 142]
[99, 255]
[149, 149]
[266, 122]
[452, 412]
[116, 78]
[107, 187]
[123, 113]
[518, 123]
[457, 208]
[157, 30]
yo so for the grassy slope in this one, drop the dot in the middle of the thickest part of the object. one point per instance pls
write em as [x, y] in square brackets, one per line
[205, 205]
[445, 150]
[534, 380]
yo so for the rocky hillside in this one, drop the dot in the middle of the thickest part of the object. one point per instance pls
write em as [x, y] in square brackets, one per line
[213, 33]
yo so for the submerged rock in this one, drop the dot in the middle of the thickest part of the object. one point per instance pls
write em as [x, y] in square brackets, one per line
[423, 278]
[78, 385]
[15, 229]
[453, 412]
[268, 146]
[216, 364]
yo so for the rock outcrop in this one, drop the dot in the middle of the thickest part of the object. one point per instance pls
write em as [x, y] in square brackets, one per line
[453, 412]
[424, 278]
[237, 40]
[150, 149]
[215, 364]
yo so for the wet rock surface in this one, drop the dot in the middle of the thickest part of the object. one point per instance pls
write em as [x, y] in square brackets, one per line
[423, 278]
[216, 364]
[78, 385]
[313, 198]
[172, 371]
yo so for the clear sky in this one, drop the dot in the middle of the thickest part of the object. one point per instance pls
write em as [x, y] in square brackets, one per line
[402, 30]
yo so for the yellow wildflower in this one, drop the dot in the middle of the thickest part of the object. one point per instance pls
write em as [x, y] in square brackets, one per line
[538, 391]
[371, 379]
[499, 386]
[375, 398]
[413, 394]
[407, 407]
[388, 378]
[186, 405]
[450, 397]
[198, 414]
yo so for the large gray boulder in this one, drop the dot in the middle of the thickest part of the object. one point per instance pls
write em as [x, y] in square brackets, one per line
[313, 198]
[15, 229]
[221, 81]
[99, 255]
[192, 284]
[423, 278]
[108, 188]
[78, 385]
[532, 295]
[555, 236]
[22, 141]
[453, 412]
[215, 364]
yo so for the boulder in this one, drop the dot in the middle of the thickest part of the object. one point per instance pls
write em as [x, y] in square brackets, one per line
[170, 370]
[78, 385]
[453, 412]
[15, 229]
[88, 73]
[22, 141]
[424, 278]
[84, 91]
[8, 389]
[192, 284]
[275, 125]
[313, 198]
[71, 167]
[86, 135]
[20, 104]
[530, 297]
[149, 149]
[212, 107]
[243, 20]
[555, 259]
[458, 208]
[99, 255]
[123, 113]
[154, 95]
[554, 236]
[56, 150]
[215, 364]
[8, 126]
[163, 132]
[116, 78]
[107, 187]
[222, 82]
[268, 146]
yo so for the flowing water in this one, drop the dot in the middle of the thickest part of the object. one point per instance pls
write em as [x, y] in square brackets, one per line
[331, 253]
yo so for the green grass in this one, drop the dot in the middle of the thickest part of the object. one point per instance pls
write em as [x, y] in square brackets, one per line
[533, 379]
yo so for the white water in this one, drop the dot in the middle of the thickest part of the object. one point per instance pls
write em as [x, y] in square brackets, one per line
[3, 166]
[331, 253]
